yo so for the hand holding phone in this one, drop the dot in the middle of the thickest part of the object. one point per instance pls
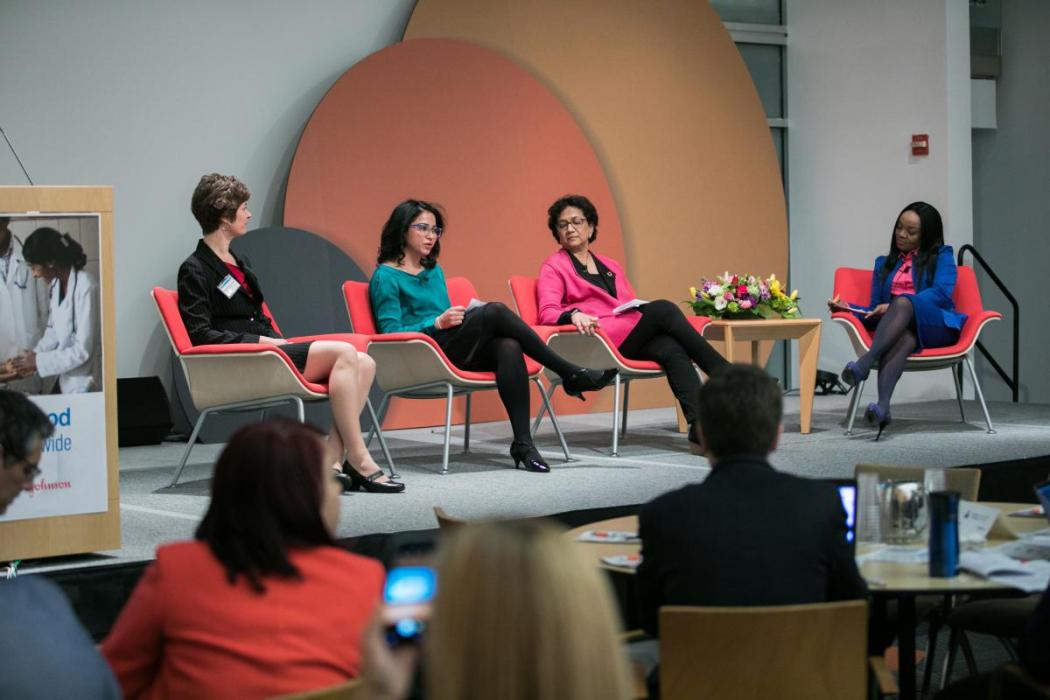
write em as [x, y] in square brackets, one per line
[407, 603]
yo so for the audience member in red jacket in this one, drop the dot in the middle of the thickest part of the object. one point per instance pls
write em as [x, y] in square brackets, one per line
[262, 603]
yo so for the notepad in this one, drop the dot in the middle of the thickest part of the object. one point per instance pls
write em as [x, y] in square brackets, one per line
[627, 306]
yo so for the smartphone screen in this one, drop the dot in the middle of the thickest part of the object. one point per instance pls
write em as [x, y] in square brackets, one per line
[407, 597]
[1042, 491]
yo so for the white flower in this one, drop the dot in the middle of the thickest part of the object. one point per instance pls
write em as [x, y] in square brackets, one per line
[720, 303]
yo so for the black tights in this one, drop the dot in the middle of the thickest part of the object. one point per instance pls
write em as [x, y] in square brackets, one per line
[894, 340]
[510, 340]
[663, 335]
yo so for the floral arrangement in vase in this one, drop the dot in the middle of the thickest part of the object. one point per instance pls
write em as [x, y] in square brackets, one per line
[742, 297]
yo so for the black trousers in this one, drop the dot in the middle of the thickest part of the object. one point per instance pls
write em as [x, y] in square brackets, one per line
[664, 336]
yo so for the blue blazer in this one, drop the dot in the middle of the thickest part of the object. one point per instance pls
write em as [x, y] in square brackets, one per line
[936, 320]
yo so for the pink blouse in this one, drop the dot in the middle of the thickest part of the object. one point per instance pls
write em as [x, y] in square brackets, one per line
[902, 281]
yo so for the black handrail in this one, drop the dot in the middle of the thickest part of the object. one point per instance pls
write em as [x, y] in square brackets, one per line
[1013, 382]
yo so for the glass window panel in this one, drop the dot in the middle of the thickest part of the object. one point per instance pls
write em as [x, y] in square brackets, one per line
[750, 11]
[765, 63]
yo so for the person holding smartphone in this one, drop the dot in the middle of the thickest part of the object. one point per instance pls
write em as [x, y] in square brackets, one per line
[911, 304]
[262, 602]
[518, 615]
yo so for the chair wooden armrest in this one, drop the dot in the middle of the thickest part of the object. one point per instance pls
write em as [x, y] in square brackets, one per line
[884, 680]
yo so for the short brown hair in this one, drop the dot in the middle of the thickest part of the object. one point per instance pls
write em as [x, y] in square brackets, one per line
[217, 197]
[740, 411]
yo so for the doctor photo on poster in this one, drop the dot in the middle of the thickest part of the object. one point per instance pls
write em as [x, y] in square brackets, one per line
[70, 348]
[23, 309]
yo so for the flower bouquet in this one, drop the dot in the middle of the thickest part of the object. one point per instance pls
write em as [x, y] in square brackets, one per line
[742, 297]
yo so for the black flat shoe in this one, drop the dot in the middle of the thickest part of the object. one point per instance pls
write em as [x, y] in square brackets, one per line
[369, 483]
[527, 457]
[587, 380]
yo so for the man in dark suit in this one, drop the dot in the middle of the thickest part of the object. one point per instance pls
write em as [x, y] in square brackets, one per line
[747, 535]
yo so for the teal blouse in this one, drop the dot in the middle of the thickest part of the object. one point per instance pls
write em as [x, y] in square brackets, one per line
[403, 302]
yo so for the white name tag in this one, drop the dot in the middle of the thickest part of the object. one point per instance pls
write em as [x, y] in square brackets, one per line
[229, 286]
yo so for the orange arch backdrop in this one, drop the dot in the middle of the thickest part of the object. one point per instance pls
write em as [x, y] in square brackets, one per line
[451, 122]
[667, 103]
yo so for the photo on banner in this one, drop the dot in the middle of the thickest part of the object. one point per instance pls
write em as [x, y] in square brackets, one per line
[51, 351]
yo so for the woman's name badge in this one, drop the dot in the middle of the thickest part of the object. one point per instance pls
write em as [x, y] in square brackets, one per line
[229, 286]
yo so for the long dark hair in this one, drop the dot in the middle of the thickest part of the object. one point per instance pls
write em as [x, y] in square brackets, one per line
[266, 500]
[931, 238]
[395, 232]
[46, 246]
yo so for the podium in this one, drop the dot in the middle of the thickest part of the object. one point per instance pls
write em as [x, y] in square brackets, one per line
[75, 506]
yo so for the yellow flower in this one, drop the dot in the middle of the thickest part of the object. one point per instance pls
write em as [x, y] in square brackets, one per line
[794, 295]
[692, 292]
[774, 286]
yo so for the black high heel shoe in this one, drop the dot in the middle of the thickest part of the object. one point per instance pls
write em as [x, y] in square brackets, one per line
[368, 483]
[587, 380]
[874, 414]
[526, 454]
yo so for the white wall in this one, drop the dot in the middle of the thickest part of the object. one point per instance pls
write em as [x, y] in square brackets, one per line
[1011, 178]
[862, 77]
[147, 96]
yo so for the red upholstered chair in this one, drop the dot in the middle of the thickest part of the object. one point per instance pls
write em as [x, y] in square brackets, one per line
[595, 352]
[853, 286]
[413, 365]
[238, 377]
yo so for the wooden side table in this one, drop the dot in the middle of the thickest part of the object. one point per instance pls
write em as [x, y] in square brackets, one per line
[805, 330]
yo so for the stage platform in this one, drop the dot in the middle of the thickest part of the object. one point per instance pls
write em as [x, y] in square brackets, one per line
[482, 484]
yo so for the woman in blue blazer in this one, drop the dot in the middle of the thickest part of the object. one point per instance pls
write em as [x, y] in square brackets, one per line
[911, 304]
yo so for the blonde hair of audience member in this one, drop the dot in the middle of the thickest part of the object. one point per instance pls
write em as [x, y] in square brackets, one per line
[520, 614]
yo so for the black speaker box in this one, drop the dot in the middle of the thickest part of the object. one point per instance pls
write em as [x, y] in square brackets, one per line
[143, 417]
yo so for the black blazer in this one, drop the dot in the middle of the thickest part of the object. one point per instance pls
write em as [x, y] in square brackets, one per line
[747, 535]
[209, 316]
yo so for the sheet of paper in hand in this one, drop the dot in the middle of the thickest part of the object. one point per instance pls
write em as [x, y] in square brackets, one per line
[627, 306]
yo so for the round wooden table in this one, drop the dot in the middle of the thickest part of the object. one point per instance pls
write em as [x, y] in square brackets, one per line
[902, 582]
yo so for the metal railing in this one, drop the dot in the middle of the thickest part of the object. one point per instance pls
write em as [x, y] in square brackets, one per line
[1013, 381]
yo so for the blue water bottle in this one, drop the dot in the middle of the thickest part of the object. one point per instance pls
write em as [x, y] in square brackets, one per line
[944, 533]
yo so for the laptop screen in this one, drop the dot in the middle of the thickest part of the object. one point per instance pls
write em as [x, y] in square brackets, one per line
[847, 489]
[1042, 491]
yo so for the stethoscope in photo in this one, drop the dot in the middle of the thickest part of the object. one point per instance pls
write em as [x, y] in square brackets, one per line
[21, 271]
[70, 294]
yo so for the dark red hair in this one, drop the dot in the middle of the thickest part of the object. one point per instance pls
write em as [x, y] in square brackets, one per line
[266, 500]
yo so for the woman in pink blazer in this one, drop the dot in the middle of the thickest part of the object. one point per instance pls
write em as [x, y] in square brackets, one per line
[576, 286]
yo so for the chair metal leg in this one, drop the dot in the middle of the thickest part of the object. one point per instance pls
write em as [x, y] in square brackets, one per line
[854, 404]
[554, 420]
[957, 376]
[980, 394]
[543, 409]
[626, 400]
[448, 429]
[378, 430]
[375, 424]
[189, 447]
[936, 623]
[616, 418]
[466, 425]
[300, 410]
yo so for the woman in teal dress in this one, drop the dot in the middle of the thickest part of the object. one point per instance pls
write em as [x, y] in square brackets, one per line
[408, 293]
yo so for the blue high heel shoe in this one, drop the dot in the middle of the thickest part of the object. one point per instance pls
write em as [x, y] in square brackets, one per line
[851, 375]
[875, 415]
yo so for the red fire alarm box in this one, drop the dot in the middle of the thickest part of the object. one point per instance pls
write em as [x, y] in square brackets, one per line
[920, 144]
